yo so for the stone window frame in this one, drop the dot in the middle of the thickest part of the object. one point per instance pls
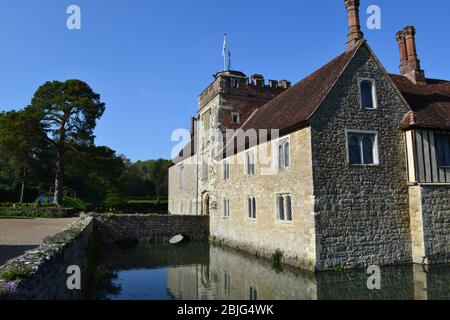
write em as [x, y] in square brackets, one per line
[277, 213]
[246, 163]
[251, 216]
[376, 151]
[227, 282]
[374, 93]
[276, 154]
[226, 170]
[181, 179]
[226, 213]
[233, 114]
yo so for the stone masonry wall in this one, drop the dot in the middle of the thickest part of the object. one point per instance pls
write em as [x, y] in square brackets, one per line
[145, 228]
[265, 234]
[183, 194]
[362, 211]
[49, 263]
[436, 222]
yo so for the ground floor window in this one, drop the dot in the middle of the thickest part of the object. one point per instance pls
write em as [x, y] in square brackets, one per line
[226, 207]
[251, 207]
[284, 207]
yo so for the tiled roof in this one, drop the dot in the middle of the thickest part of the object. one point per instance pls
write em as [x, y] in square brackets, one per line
[294, 106]
[430, 103]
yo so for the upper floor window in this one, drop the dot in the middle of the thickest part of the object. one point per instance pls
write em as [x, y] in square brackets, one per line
[226, 207]
[443, 149]
[250, 163]
[368, 94]
[236, 118]
[284, 207]
[234, 83]
[362, 148]
[251, 207]
[283, 155]
[226, 170]
[181, 177]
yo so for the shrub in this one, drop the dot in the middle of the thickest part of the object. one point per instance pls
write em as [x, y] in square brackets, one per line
[277, 258]
[74, 203]
[13, 274]
[32, 213]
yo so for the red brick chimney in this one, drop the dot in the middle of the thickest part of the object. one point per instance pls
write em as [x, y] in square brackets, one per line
[409, 62]
[354, 33]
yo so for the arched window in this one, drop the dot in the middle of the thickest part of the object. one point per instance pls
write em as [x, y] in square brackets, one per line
[362, 148]
[280, 157]
[283, 155]
[287, 156]
[367, 94]
[284, 207]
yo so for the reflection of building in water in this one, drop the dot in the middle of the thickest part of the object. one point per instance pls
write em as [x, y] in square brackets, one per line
[233, 275]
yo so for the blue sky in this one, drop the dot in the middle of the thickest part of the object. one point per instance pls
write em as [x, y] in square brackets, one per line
[150, 59]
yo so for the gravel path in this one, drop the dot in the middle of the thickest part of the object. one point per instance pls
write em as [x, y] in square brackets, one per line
[20, 235]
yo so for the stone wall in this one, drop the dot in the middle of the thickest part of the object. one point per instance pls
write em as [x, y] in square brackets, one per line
[265, 234]
[183, 191]
[436, 222]
[362, 211]
[48, 265]
[144, 228]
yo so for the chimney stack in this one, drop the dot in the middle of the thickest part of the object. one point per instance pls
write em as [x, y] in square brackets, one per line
[354, 33]
[409, 62]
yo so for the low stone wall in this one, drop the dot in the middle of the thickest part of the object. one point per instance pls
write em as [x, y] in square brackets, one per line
[44, 270]
[146, 228]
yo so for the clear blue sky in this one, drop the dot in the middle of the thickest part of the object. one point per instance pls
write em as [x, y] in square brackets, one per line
[150, 59]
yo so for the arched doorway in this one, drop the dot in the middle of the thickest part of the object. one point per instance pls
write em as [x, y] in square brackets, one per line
[205, 203]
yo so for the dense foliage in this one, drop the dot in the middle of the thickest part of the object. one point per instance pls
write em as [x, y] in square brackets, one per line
[54, 138]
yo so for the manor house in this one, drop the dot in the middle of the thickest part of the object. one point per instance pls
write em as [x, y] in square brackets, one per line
[359, 170]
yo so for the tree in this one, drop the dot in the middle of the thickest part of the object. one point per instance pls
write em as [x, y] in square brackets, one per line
[22, 142]
[69, 111]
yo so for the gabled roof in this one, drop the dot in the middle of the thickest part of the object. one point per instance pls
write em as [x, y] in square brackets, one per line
[430, 103]
[294, 106]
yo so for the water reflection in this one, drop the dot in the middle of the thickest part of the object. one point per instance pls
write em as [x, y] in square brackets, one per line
[197, 271]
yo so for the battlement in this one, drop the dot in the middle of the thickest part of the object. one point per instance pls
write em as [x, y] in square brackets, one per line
[236, 83]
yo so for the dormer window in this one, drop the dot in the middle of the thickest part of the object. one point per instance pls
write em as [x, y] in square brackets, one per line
[368, 94]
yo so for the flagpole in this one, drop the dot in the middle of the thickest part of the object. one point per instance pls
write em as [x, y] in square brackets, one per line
[224, 52]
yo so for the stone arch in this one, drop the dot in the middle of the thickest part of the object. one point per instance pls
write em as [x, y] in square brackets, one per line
[205, 203]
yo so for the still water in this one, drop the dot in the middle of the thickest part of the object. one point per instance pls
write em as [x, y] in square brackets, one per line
[199, 271]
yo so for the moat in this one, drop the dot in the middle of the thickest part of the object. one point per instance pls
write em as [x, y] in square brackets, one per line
[199, 271]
